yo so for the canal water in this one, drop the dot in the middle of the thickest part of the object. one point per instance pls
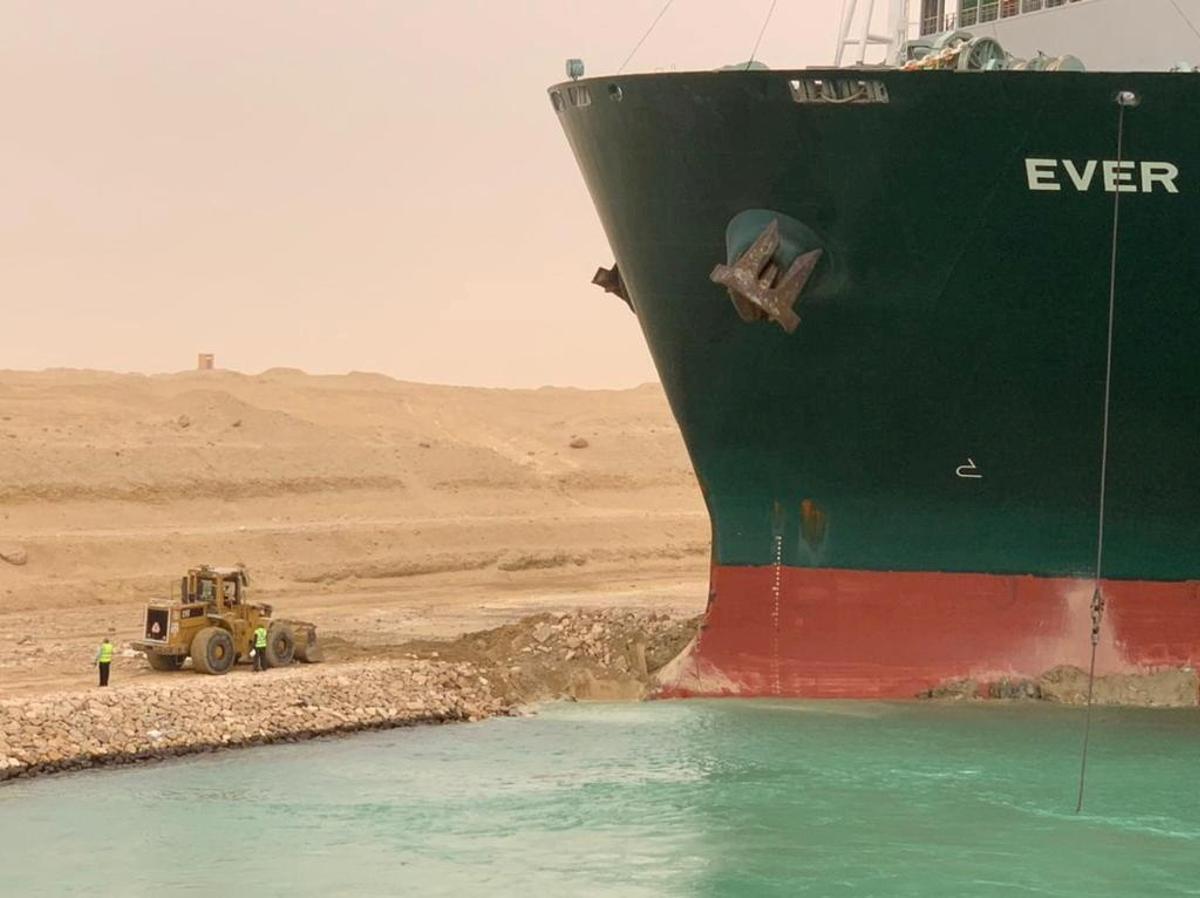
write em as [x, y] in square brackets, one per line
[699, 798]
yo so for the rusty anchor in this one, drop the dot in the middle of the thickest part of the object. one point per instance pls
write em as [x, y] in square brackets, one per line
[610, 281]
[754, 284]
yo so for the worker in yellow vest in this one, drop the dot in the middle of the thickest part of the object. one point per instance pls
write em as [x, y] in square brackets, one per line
[104, 660]
[260, 649]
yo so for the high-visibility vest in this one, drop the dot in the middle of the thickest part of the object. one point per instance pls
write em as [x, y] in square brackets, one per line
[260, 638]
[106, 650]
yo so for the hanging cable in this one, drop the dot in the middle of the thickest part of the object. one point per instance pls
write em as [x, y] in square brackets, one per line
[1125, 99]
[662, 12]
[1185, 18]
[761, 32]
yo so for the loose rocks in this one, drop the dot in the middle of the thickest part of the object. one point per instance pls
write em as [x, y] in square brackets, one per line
[68, 730]
[1161, 689]
[608, 655]
[588, 654]
[1067, 685]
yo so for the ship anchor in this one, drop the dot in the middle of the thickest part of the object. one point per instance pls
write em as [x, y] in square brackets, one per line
[755, 286]
[610, 281]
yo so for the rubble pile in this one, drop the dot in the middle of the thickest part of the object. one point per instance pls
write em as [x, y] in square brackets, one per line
[605, 655]
[608, 654]
[71, 730]
[1068, 685]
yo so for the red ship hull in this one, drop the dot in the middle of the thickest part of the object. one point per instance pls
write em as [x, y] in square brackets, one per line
[823, 633]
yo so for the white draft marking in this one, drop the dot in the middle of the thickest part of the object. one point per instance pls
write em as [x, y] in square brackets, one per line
[775, 589]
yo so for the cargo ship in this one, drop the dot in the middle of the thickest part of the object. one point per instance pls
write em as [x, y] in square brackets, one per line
[929, 322]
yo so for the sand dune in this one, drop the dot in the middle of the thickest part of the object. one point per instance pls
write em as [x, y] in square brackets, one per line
[338, 492]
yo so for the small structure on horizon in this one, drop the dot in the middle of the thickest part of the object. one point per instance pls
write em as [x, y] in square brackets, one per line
[204, 361]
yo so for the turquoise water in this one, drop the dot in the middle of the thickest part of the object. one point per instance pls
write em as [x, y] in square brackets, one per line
[669, 798]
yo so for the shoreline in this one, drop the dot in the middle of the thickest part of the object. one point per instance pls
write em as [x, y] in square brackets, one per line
[611, 654]
[115, 761]
[80, 730]
[607, 655]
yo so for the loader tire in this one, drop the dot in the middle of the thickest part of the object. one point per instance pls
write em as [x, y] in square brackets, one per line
[164, 662]
[281, 645]
[212, 651]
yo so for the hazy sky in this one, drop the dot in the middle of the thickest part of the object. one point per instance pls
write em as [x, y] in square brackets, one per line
[340, 185]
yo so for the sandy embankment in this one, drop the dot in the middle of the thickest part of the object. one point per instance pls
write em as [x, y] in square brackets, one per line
[611, 654]
[383, 511]
[79, 729]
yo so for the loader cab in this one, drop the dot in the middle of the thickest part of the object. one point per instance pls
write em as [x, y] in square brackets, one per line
[223, 587]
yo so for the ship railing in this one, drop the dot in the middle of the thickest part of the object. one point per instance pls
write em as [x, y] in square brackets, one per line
[984, 11]
[937, 24]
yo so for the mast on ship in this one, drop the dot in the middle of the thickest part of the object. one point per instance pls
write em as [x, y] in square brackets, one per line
[933, 17]
[855, 30]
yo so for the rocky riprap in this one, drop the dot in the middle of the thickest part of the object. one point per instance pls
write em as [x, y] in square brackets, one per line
[72, 730]
[603, 654]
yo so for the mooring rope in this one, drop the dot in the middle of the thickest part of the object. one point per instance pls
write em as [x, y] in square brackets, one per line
[1184, 16]
[1124, 100]
[662, 12]
[761, 32]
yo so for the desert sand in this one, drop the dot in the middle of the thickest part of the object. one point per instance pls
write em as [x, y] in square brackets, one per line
[383, 511]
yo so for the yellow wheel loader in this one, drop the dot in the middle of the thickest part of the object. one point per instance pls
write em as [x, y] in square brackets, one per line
[212, 621]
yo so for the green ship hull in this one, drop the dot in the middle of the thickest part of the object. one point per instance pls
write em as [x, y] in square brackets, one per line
[938, 413]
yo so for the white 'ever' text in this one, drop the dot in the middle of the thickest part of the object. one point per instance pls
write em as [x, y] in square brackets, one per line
[1114, 176]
